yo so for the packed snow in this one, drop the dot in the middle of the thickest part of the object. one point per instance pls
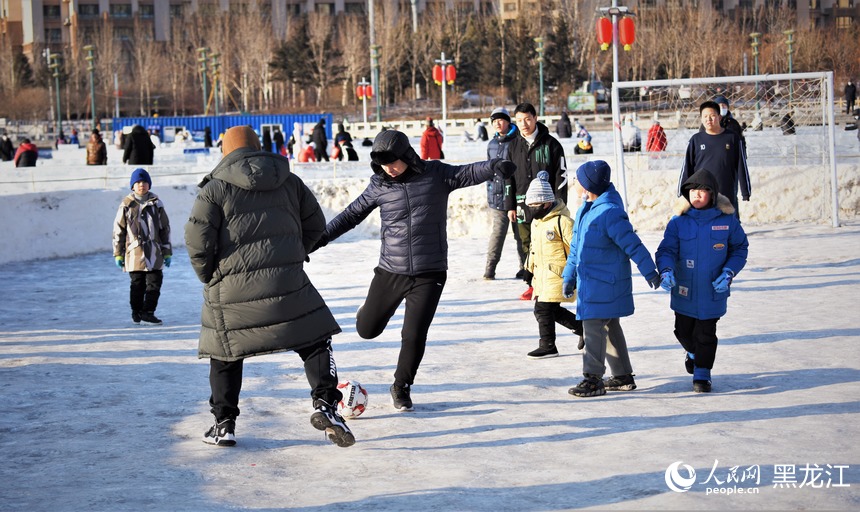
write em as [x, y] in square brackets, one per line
[105, 415]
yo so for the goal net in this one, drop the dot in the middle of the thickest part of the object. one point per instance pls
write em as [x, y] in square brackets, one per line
[788, 127]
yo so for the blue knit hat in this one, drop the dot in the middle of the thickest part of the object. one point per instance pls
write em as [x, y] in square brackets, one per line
[594, 176]
[140, 174]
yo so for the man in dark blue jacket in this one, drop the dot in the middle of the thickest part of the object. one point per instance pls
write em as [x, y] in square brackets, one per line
[498, 148]
[412, 197]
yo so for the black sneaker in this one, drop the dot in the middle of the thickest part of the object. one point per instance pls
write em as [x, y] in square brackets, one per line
[135, 317]
[543, 353]
[489, 277]
[149, 317]
[327, 418]
[620, 383]
[591, 385]
[400, 398]
[689, 363]
[222, 433]
[702, 386]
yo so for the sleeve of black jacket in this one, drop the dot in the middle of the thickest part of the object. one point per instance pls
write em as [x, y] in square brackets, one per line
[313, 218]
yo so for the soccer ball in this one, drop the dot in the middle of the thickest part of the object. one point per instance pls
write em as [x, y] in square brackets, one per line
[354, 400]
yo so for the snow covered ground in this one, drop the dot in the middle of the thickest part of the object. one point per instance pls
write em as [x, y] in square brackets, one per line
[104, 415]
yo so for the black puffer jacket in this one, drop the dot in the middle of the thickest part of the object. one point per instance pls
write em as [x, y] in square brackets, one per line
[546, 154]
[498, 148]
[251, 226]
[413, 208]
[138, 147]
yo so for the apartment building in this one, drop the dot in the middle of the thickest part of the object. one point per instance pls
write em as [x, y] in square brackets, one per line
[34, 24]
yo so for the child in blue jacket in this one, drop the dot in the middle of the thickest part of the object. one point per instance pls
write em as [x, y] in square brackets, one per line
[598, 268]
[703, 248]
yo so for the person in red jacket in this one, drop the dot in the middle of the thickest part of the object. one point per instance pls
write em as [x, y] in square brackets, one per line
[656, 140]
[431, 142]
[27, 154]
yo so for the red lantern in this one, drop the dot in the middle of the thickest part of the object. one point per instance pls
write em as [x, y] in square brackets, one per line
[368, 91]
[359, 91]
[450, 74]
[626, 32]
[437, 74]
[604, 33]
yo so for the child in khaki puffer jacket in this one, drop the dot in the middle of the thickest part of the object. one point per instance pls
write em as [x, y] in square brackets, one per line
[551, 232]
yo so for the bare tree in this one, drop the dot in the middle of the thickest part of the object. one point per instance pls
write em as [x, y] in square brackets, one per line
[351, 36]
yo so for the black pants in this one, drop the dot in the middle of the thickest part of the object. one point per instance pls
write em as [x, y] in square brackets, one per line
[320, 154]
[387, 291]
[547, 315]
[698, 337]
[145, 290]
[225, 379]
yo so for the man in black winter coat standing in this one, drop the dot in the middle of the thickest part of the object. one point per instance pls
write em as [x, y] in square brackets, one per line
[412, 197]
[320, 139]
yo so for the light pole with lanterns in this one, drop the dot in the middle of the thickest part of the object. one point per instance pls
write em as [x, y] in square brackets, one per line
[364, 90]
[444, 74]
[91, 68]
[627, 37]
[539, 42]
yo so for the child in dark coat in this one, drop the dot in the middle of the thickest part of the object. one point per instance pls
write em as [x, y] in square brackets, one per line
[703, 248]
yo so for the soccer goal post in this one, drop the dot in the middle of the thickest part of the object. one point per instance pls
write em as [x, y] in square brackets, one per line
[789, 128]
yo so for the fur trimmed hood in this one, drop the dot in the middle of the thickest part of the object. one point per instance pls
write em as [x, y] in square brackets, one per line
[682, 205]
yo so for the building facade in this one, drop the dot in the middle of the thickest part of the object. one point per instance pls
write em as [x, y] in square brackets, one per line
[34, 24]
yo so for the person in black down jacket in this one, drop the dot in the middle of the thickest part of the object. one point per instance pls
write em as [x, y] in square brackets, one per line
[138, 147]
[412, 197]
[250, 229]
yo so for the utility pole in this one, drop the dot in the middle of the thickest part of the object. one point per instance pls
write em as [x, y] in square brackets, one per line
[539, 50]
[615, 11]
[47, 54]
[91, 68]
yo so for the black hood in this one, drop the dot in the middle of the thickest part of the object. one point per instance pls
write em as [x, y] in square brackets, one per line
[392, 143]
[701, 179]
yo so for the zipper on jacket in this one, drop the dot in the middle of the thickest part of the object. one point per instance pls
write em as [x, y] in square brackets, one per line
[409, 229]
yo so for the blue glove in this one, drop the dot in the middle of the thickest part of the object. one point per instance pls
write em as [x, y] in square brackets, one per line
[721, 285]
[568, 287]
[167, 261]
[668, 282]
[120, 262]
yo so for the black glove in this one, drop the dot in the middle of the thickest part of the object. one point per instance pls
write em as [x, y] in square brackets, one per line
[527, 277]
[322, 242]
[655, 281]
[505, 168]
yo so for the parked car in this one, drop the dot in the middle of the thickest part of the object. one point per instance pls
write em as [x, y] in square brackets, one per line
[476, 98]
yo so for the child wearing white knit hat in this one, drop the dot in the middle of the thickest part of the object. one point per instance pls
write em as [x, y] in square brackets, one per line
[551, 232]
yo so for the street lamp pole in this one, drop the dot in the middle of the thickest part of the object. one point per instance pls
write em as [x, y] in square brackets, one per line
[374, 77]
[55, 66]
[539, 42]
[91, 68]
[755, 51]
[444, 63]
[216, 74]
[789, 42]
[202, 60]
[615, 11]
[364, 83]
[47, 54]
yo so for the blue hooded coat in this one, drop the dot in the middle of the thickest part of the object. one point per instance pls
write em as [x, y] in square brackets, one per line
[603, 245]
[697, 245]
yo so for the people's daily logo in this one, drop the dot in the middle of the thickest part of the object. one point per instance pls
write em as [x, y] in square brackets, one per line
[678, 482]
